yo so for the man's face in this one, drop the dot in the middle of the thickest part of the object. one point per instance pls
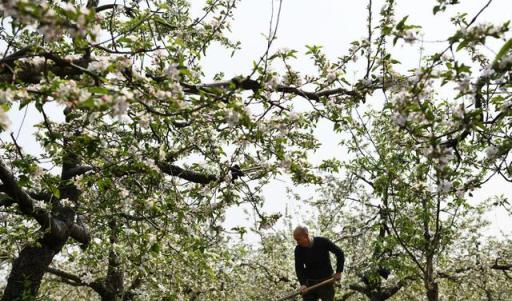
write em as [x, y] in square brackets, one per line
[302, 239]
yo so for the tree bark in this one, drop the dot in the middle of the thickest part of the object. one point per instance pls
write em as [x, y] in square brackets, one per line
[28, 269]
[114, 283]
[430, 284]
[58, 225]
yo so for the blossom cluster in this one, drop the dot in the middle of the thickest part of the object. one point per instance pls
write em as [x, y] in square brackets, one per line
[482, 30]
[53, 20]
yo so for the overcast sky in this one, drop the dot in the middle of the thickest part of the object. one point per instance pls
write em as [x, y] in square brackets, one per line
[333, 24]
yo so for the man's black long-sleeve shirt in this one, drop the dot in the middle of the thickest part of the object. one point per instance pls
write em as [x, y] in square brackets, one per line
[314, 263]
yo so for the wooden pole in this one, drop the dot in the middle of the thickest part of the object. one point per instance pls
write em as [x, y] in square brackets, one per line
[330, 280]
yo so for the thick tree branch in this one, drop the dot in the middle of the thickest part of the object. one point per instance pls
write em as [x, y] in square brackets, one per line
[188, 175]
[44, 218]
[32, 74]
[24, 201]
[75, 171]
[65, 275]
[501, 267]
[80, 233]
[6, 202]
[128, 10]
[74, 280]
[251, 84]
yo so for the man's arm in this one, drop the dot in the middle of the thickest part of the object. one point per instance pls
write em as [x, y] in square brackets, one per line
[299, 268]
[340, 256]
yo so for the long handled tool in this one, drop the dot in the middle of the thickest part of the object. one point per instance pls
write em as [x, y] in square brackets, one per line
[330, 280]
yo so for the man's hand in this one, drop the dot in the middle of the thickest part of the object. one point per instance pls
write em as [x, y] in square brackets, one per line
[303, 289]
[337, 276]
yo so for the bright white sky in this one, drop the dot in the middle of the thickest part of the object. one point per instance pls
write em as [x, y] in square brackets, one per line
[333, 24]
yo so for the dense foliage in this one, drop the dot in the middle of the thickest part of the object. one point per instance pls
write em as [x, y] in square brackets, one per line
[141, 156]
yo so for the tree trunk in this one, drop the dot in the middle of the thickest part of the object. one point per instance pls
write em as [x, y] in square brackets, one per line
[28, 269]
[34, 260]
[114, 283]
[432, 291]
[430, 284]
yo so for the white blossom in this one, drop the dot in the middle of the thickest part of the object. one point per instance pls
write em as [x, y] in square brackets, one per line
[402, 97]
[459, 111]
[50, 32]
[214, 23]
[491, 152]
[445, 155]
[464, 84]
[273, 82]
[507, 104]
[294, 116]
[139, 75]
[160, 53]
[172, 72]
[87, 278]
[67, 89]
[285, 164]
[67, 6]
[8, 6]
[283, 50]
[144, 121]
[77, 181]
[505, 61]
[28, 223]
[177, 90]
[399, 119]
[487, 72]
[161, 152]
[444, 187]
[5, 122]
[84, 10]
[120, 106]
[331, 76]
[409, 37]
[366, 82]
[84, 95]
[66, 202]
[151, 164]
[283, 129]
[6, 96]
[124, 63]
[232, 118]
[36, 60]
[123, 192]
[228, 178]
[41, 204]
[100, 64]
[3, 216]
[418, 73]
[95, 33]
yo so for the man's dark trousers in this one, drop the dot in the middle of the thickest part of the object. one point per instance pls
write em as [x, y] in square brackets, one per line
[325, 293]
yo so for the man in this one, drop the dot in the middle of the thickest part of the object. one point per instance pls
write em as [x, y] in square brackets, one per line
[313, 264]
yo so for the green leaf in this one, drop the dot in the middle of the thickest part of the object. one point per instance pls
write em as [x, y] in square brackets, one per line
[504, 49]
[5, 106]
[99, 90]
[400, 25]
[463, 44]
[155, 248]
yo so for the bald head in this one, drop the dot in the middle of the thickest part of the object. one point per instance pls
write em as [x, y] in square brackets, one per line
[300, 230]
[301, 235]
